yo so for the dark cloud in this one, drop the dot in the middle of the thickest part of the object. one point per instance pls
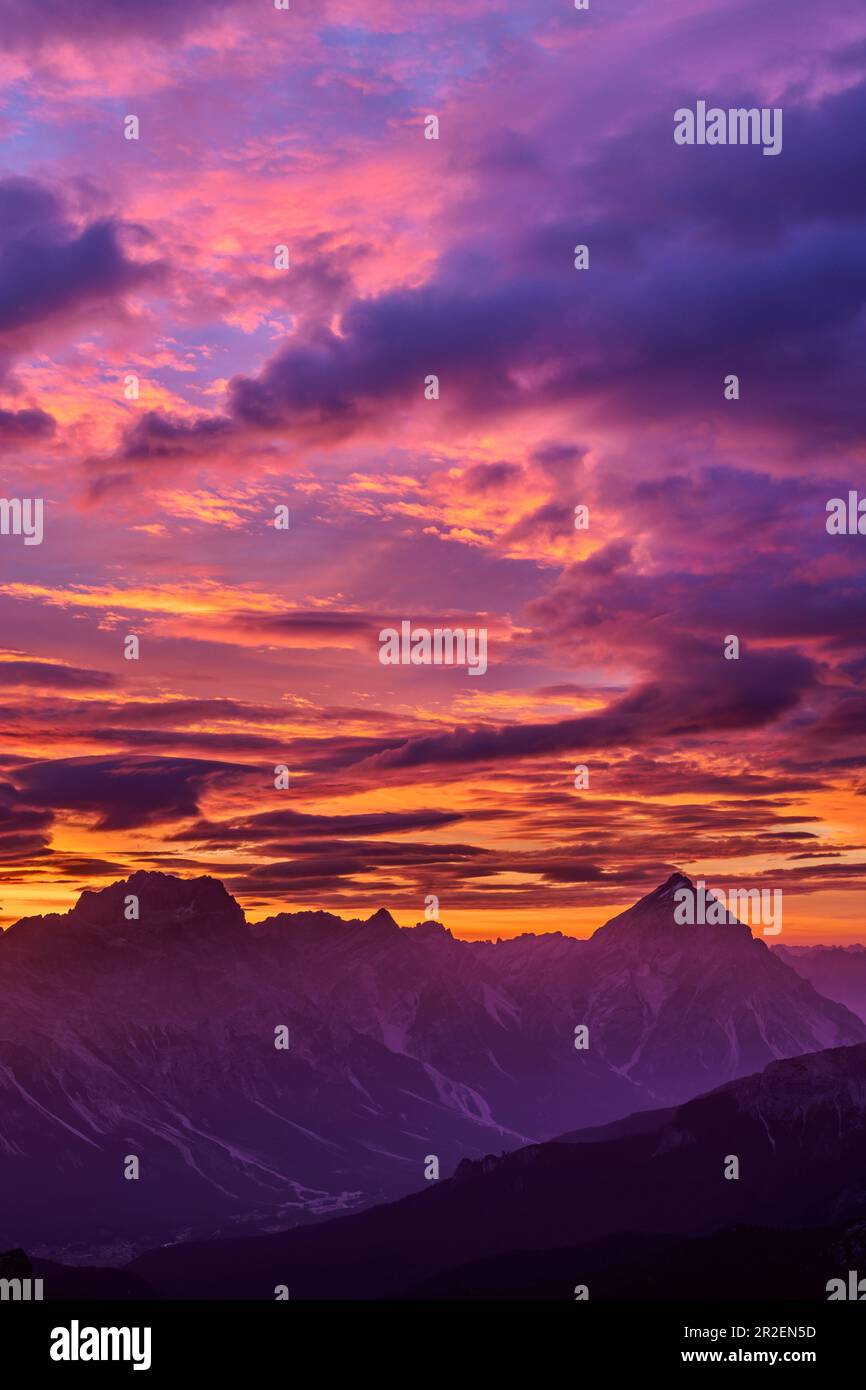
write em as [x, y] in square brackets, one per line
[704, 695]
[178, 713]
[561, 461]
[49, 268]
[302, 825]
[25, 426]
[52, 676]
[485, 479]
[547, 522]
[335, 384]
[24, 829]
[763, 600]
[158, 437]
[42, 715]
[123, 791]
[80, 866]
[772, 257]
[643, 178]
[236, 742]
[309, 623]
[768, 251]
[845, 722]
[24, 25]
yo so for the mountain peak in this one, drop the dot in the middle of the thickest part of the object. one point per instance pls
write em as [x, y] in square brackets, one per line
[164, 900]
[668, 888]
[145, 903]
[654, 913]
[381, 918]
[429, 928]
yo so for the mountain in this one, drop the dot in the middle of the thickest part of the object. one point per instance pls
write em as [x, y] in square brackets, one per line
[606, 1211]
[740, 1263]
[837, 972]
[679, 1009]
[62, 1282]
[151, 1037]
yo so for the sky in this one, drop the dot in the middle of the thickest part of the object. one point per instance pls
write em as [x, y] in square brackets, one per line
[262, 387]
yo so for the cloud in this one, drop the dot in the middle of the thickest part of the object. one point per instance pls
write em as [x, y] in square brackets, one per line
[315, 626]
[25, 26]
[24, 829]
[24, 426]
[50, 675]
[708, 590]
[49, 269]
[304, 825]
[482, 479]
[157, 437]
[454, 258]
[703, 695]
[123, 791]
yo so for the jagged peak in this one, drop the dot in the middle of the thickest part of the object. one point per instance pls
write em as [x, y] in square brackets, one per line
[430, 929]
[669, 887]
[165, 901]
[160, 893]
[381, 918]
[654, 912]
[318, 920]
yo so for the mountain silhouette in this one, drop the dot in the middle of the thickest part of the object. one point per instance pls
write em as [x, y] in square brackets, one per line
[144, 1023]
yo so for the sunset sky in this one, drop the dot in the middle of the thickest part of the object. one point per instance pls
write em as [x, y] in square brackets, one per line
[305, 387]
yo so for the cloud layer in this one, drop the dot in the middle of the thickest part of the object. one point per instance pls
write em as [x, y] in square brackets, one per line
[168, 385]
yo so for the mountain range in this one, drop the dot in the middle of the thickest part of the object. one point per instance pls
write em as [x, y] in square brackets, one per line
[837, 972]
[154, 1039]
[634, 1209]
